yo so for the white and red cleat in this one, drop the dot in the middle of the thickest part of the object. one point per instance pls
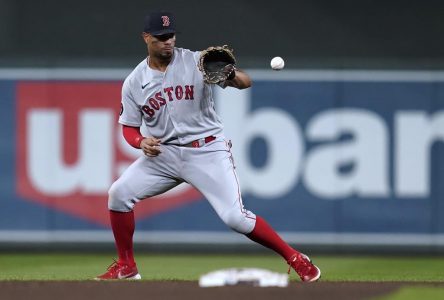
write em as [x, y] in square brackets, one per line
[306, 270]
[120, 271]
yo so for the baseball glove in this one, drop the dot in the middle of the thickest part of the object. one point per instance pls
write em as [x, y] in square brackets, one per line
[217, 64]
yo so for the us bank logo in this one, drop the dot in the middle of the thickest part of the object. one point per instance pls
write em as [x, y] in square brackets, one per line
[70, 149]
[322, 141]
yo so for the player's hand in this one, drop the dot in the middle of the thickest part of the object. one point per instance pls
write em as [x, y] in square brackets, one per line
[150, 146]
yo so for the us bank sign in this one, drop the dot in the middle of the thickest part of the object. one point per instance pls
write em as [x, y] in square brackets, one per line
[320, 153]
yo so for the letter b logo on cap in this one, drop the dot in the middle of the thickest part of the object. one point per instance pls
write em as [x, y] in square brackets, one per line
[166, 21]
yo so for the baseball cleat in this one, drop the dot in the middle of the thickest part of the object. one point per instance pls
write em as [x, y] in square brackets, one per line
[120, 271]
[306, 270]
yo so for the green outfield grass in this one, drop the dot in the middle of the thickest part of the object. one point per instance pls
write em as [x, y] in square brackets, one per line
[415, 293]
[189, 267]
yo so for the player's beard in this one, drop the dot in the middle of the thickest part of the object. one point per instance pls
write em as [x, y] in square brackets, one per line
[165, 56]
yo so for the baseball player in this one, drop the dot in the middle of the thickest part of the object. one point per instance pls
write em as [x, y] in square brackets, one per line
[186, 143]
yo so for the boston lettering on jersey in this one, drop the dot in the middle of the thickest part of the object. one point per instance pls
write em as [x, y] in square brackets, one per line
[172, 93]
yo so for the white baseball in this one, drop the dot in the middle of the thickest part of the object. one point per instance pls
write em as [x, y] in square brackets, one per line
[277, 63]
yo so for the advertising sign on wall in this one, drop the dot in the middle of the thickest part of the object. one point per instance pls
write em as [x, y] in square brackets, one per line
[317, 153]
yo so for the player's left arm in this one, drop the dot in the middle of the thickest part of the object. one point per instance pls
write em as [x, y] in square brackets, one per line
[241, 80]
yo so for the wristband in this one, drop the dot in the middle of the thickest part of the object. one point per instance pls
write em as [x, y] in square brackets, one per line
[232, 75]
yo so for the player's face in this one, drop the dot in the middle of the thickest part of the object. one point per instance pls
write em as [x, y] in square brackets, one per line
[161, 46]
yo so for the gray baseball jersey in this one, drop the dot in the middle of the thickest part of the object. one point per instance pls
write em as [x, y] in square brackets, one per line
[177, 106]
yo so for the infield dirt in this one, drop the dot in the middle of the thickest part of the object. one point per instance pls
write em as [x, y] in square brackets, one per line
[184, 290]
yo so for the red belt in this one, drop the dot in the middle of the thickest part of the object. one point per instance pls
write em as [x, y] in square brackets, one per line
[200, 142]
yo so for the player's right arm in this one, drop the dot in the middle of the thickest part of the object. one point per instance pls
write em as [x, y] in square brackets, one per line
[133, 136]
[131, 119]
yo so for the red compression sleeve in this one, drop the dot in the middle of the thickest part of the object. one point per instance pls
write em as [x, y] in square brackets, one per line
[132, 135]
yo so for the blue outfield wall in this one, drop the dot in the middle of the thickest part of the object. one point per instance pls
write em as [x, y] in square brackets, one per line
[322, 155]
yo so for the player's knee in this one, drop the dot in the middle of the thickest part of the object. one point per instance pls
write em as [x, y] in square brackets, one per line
[119, 198]
[238, 221]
